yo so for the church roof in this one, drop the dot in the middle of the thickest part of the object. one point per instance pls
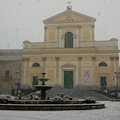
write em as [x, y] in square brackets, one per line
[69, 16]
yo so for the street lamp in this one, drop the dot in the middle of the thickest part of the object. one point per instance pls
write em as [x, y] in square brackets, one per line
[117, 78]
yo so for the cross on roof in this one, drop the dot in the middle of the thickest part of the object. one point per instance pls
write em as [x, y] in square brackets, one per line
[69, 7]
[69, 3]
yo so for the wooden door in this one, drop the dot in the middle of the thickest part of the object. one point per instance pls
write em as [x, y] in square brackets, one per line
[103, 81]
[35, 80]
[68, 79]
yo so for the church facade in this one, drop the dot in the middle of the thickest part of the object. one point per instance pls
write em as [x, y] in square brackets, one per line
[69, 54]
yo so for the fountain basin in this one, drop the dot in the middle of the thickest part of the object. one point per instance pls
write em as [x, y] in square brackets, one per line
[46, 105]
[54, 107]
[43, 102]
[43, 89]
[43, 80]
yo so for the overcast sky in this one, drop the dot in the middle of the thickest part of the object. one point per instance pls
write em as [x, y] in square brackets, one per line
[22, 19]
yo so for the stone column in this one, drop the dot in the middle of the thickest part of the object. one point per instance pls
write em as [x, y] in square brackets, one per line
[79, 70]
[44, 64]
[57, 71]
[94, 71]
[79, 36]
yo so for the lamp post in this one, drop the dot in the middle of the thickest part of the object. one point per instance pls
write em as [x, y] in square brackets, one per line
[117, 78]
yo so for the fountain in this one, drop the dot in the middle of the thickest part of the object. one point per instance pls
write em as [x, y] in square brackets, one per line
[43, 87]
[60, 102]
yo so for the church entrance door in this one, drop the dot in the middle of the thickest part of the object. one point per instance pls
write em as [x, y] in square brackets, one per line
[103, 81]
[68, 79]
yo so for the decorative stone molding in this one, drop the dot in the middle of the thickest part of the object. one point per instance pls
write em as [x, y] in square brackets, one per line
[74, 36]
[114, 39]
[25, 59]
[44, 59]
[92, 26]
[79, 27]
[111, 58]
[93, 58]
[68, 65]
[26, 42]
[45, 28]
[57, 58]
[79, 58]
[116, 58]
[63, 35]
[58, 28]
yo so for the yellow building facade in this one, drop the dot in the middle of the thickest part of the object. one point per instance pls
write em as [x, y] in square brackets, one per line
[69, 54]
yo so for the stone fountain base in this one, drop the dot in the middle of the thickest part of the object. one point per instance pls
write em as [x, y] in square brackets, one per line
[46, 105]
[59, 102]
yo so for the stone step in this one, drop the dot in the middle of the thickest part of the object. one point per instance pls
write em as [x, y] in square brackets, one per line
[76, 93]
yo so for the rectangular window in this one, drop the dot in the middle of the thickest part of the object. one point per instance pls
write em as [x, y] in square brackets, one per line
[7, 74]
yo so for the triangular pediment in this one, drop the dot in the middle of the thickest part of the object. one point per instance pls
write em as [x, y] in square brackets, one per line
[69, 16]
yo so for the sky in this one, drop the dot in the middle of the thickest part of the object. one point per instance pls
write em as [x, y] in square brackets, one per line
[22, 20]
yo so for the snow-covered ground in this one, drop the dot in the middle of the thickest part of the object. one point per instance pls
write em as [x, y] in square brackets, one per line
[111, 112]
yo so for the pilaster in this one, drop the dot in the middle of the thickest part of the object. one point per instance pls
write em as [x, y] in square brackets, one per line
[44, 64]
[57, 71]
[94, 70]
[116, 66]
[25, 69]
[112, 68]
[79, 36]
[93, 39]
[58, 34]
[45, 33]
[79, 70]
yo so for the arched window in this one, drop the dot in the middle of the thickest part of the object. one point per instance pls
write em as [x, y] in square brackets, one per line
[103, 64]
[36, 65]
[68, 40]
